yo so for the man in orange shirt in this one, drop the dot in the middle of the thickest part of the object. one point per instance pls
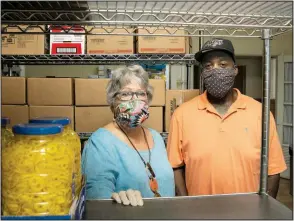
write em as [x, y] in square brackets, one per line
[214, 141]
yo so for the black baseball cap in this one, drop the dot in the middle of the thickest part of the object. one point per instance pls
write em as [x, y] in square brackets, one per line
[216, 44]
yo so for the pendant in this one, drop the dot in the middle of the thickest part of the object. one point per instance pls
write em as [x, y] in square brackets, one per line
[153, 184]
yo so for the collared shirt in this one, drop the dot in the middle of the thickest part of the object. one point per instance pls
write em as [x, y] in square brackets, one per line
[221, 153]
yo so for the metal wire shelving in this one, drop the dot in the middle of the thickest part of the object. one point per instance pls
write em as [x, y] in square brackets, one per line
[177, 18]
[98, 59]
[237, 19]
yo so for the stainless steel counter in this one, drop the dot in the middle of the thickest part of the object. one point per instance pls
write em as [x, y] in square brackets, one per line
[240, 206]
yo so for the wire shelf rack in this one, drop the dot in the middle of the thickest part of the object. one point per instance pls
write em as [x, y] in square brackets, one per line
[235, 19]
[98, 59]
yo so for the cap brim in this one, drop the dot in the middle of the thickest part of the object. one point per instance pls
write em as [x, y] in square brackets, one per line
[199, 55]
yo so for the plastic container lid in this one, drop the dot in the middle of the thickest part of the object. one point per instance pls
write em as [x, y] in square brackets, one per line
[5, 121]
[51, 120]
[37, 129]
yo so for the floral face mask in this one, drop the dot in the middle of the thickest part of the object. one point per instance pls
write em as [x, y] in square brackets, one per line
[131, 113]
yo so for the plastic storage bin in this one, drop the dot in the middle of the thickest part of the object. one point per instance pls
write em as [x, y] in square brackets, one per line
[6, 132]
[37, 170]
[72, 140]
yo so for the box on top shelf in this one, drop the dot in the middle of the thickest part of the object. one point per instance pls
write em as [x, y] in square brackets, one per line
[68, 43]
[50, 91]
[174, 98]
[18, 114]
[89, 119]
[23, 44]
[151, 44]
[92, 92]
[110, 44]
[52, 111]
[13, 90]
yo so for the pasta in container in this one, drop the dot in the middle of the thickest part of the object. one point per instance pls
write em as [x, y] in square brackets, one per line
[6, 132]
[37, 170]
[72, 140]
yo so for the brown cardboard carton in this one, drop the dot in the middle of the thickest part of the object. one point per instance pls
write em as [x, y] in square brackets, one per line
[89, 119]
[174, 98]
[162, 44]
[92, 92]
[50, 91]
[52, 111]
[13, 90]
[18, 114]
[110, 44]
[155, 120]
[23, 44]
[159, 92]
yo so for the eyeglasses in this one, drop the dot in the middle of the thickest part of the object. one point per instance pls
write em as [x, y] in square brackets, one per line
[128, 95]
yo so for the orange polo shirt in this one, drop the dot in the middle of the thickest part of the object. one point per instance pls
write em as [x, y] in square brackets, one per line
[221, 154]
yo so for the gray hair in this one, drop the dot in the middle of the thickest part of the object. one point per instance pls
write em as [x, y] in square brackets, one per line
[123, 76]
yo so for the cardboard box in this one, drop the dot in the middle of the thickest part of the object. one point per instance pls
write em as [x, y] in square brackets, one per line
[50, 91]
[162, 45]
[159, 92]
[174, 98]
[13, 90]
[52, 111]
[90, 119]
[155, 120]
[110, 44]
[67, 43]
[92, 92]
[23, 44]
[18, 114]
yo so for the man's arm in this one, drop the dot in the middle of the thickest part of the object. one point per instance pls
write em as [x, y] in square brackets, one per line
[273, 185]
[276, 161]
[181, 189]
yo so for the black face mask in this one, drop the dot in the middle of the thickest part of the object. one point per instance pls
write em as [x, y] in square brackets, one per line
[219, 82]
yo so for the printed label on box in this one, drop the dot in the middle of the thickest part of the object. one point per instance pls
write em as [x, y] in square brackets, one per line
[67, 43]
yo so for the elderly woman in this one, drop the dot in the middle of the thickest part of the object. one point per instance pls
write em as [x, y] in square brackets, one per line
[124, 160]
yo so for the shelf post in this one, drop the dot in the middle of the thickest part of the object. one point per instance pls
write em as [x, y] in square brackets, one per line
[201, 42]
[265, 112]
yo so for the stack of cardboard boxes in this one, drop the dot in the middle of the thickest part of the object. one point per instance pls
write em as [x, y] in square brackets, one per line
[14, 102]
[24, 44]
[92, 110]
[83, 101]
[51, 97]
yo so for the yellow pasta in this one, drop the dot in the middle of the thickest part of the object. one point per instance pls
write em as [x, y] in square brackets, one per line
[72, 140]
[37, 176]
[6, 133]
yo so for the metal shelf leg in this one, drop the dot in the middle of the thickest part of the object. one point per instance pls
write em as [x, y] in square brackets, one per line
[265, 112]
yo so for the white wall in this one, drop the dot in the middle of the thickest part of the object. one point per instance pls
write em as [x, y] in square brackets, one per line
[253, 75]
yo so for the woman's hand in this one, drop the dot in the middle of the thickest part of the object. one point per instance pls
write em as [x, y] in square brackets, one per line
[128, 197]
